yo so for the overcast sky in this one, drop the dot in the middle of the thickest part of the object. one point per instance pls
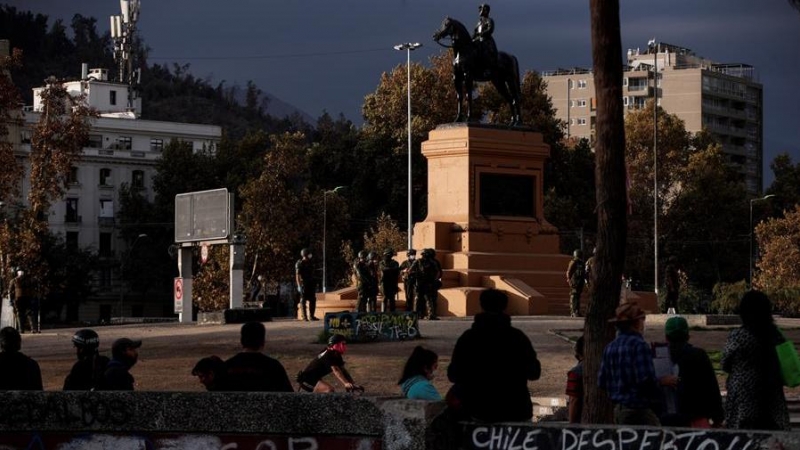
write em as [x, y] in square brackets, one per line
[328, 54]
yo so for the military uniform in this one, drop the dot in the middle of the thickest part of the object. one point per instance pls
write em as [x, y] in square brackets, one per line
[576, 277]
[366, 283]
[389, 272]
[426, 271]
[307, 285]
[409, 281]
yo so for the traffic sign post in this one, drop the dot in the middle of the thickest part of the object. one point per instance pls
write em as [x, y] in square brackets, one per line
[178, 291]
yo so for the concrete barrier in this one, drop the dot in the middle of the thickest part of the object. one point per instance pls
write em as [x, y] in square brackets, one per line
[260, 421]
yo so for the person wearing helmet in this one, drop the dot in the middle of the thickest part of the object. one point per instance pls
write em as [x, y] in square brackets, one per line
[576, 278]
[427, 273]
[306, 284]
[483, 36]
[372, 296]
[18, 372]
[328, 361]
[409, 283]
[389, 272]
[87, 372]
[366, 281]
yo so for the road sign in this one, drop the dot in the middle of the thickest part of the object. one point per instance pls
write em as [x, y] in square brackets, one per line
[203, 215]
[178, 295]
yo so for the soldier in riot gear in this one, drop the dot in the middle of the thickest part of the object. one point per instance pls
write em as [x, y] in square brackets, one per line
[389, 271]
[372, 299]
[426, 272]
[87, 372]
[366, 282]
[306, 284]
[409, 282]
[576, 278]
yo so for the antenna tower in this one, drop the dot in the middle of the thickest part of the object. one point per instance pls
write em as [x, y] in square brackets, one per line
[123, 32]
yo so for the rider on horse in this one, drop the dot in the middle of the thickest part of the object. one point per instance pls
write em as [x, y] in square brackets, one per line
[483, 38]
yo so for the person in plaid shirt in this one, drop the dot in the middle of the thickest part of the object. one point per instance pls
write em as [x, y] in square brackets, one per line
[627, 373]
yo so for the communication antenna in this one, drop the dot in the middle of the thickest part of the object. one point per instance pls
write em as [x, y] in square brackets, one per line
[123, 32]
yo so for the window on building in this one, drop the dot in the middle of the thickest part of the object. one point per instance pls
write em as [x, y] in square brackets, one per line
[156, 145]
[112, 97]
[105, 245]
[582, 103]
[581, 84]
[95, 141]
[137, 179]
[582, 121]
[625, 81]
[107, 208]
[72, 240]
[124, 143]
[105, 177]
[25, 136]
[570, 84]
[72, 211]
[72, 177]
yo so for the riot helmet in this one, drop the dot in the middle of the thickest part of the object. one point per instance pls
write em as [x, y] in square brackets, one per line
[578, 253]
[388, 252]
[363, 254]
[86, 338]
[305, 252]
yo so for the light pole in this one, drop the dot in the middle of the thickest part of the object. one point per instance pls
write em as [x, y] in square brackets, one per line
[122, 273]
[324, 236]
[652, 44]
[408, 47]
[754, 200]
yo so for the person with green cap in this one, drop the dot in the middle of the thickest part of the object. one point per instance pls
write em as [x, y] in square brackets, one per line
[698, 403]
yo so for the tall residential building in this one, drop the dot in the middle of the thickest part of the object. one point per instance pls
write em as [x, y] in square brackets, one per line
[121, 149]
[725, 99]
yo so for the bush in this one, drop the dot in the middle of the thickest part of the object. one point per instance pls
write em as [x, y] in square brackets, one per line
[691, 300]
[727, 297]
[786, 301]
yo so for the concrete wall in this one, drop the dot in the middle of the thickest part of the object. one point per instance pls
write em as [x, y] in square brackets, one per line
[198, 420]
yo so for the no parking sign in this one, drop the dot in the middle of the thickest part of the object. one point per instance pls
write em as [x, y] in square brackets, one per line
[178, 290]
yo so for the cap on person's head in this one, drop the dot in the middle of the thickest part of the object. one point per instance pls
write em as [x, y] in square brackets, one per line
[628, 312]
[493, 301]
[121, 345]
[335, 339]
[411, 251]
[208, 364]
[676, 329]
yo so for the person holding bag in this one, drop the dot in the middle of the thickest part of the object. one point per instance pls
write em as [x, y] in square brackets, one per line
[755, 399]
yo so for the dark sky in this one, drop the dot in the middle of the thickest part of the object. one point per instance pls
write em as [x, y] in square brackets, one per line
[328, 54]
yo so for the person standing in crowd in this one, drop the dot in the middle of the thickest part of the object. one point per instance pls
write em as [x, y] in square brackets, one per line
[372, 295]
[576, 278]
[306, 284]
[697, 398]
[627, 373]
[24, 302]
[487, 384]
[365, 281]
[420, 369]
[755, 399]
[590, 270]
[389, 272]
[672, 283]
[210, 371]
[18, 372]
[409, 283]
[330, 360]
[425, 272]
[87, 372]
[251, 370]
[575, 385]
[124, 354]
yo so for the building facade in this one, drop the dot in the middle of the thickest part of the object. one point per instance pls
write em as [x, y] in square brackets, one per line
[724, 99]
[121, 149]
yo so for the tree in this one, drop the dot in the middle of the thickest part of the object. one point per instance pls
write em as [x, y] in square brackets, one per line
[611, 208]
[779, 245]
[786, 185]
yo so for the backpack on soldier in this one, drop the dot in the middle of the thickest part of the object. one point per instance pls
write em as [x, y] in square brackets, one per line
[578, 277]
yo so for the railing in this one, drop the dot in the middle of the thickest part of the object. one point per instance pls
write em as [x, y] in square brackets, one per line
[73, 218]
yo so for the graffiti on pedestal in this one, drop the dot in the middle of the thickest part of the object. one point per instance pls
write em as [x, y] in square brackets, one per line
[365, 327]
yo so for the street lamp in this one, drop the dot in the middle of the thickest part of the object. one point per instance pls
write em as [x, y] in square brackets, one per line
[654, 47]
[754, 200]
[122, 272]
[324, 236]
[408, 47]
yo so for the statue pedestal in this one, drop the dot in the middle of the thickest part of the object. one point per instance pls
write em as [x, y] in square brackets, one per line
[486, 221]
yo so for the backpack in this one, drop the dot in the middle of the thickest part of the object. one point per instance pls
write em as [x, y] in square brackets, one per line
[579, 272]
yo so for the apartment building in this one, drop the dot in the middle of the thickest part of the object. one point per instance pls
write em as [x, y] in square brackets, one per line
[725, 99]
[122, 148]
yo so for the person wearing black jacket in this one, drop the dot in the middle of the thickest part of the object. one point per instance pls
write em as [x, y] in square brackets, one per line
[87, 372]
[698, 400]
[488, 385]
[124, 354]
[18, 372]
[252, 371]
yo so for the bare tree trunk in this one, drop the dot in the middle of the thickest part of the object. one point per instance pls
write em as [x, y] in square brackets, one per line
[611, 202]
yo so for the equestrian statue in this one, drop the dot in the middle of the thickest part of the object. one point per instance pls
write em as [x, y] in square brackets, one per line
[475, 58]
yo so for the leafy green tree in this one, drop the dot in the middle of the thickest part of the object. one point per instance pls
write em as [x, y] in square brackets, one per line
[786, 185]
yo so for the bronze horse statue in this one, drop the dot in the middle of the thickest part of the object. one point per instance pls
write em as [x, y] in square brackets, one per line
[470, 65]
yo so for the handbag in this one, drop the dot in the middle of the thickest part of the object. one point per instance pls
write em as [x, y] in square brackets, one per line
[789, 361]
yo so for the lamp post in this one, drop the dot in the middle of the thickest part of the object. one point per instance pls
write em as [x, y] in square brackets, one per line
[408, 47]
[122, 273]
[754, 200]
[324, 236]
[652, 44]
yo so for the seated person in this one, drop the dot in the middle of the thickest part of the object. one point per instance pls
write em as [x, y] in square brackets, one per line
[420, 369]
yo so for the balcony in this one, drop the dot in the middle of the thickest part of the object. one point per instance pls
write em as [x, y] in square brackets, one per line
[106, 222]
[73, 219]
